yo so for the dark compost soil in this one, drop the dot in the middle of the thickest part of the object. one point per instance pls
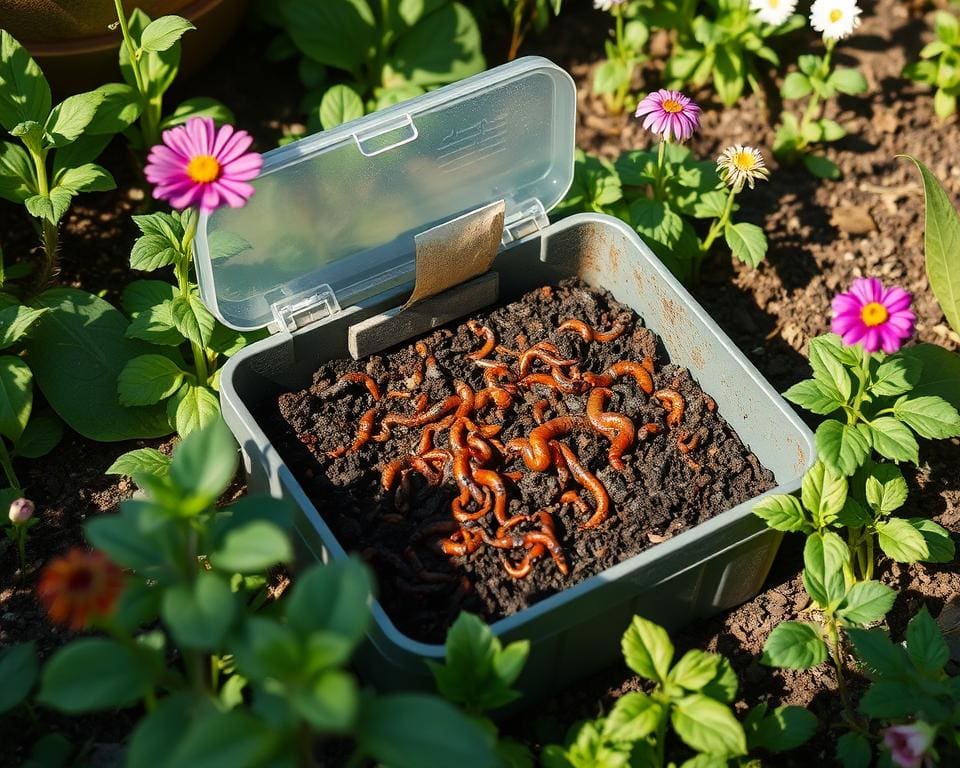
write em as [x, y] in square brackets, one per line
[660, 491]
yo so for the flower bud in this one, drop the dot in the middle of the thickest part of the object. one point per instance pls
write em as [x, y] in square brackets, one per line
[908, 744]
[21, 510]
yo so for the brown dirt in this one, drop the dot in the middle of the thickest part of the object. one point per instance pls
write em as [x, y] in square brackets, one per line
[821, 236]
[659, 492]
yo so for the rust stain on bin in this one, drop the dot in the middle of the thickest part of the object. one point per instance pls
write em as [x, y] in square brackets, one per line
[696, 357]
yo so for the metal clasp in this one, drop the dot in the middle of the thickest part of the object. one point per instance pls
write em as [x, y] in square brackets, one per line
[295, 311]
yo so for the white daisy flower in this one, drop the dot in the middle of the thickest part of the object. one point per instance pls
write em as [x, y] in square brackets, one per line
[835, 19]
[606, 5]
[773, 12]
[739, 165]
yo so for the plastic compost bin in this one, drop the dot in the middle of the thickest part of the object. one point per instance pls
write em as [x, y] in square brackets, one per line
[328, 241]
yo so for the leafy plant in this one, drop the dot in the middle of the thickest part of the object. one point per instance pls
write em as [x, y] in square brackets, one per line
[864, 512]
[625, 52]
[525, 16]
[722, 42]
[386, 52]
[218, 669]
[149, 62]
[670, 198]
[53, 159]
[882, 400]
[817, 80]
[172, 319]
[692, 697]
[939, 66]
[909, 684]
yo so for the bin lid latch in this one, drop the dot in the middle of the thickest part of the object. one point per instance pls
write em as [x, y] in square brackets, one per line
[530, 218]
[297, 310]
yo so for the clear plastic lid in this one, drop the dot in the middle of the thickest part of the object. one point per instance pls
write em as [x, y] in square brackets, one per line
[342, 208]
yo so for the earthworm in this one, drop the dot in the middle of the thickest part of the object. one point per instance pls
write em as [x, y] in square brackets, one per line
[363, 435]
[513, 477]
[522, 569]
[563, 471]
[468, 544]
[543, 355]
[499, 396]
[543, 379]
[391, 469]
[392, 418]
[488, 336]
[490, 479]
[433, 413]
[480, 449]
[461, 515]
[493, 375]
[463, 476]
[650, 428]
[588, 333]
[437, 455]
[538, 410]
[431, 577]
[353, 377]
[647, 363]
[578, 327]
[687, 443]
[630, 368]
[548, 540]
[615, 332]
[573, 497]
[484, 430]
[397, 394]
[589, 481]
[616, 427]
[429, 360]
[426, 437]
[535, 450]
[467, 397]
[417, 378]
[674, 403]
[421, 465]
[507, 351]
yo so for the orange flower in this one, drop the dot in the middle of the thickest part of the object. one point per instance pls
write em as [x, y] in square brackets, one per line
[78, 586]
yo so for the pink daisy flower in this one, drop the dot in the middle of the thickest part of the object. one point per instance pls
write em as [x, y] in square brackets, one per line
[874, 316]
[670, 114]
[202, 166]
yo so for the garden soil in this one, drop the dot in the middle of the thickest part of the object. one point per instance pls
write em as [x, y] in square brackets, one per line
[822, 235]
[680, 476]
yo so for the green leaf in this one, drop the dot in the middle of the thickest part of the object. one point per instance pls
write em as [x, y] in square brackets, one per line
[156, 734]
[694, 670]
[49, 207]
[885, 488]
[794, 645]
[18, 673]
[252, 548]
[928, 415]
[152, 252]
[16, 396]
[199, 615]
[841, 446]
[895, 376]
[824, 556]
[847, 80]
[16, 173]
[944, 103]
[824, 493]
[332, 598]
[831, 130]
[193, 319]
[158, 68]
[85, 149]
[192, 408]
[205, 462]
[901, 541]
[91, 674]
[708, 726]
[391, 729]
[198, 106]
[647, 649]
[71, 116]
[866, 602]
[41, 435]
[77, 350]
[941, 245]
[338, 33]
[728, 75]
[148, 379]
[159, 35]
[24, 92]
[939, 543]
[162, 225]
[329, 703]
[610, 76]
[893, 440]
[796, 85]
[142, 461]
[119, 108]
[925, 644]
[822, 167]
[88, 177]
[782, 513]
[784, 729]
[747, 242]
[877, 652]
[829, 361]
[814, 396]
[724, 685]
[137, 538]
[633, 717]
[232, 739]
[941, 372]
[340, 104]
[15, 321]
[443, 47]
[853, 750]
[656, 220]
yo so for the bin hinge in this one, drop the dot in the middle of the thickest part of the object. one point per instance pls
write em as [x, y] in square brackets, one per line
[297, 310]
[529, 219]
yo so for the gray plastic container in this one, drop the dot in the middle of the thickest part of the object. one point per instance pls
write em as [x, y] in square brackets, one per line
[709, 568]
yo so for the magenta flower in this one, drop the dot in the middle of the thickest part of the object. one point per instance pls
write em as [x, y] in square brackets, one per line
[670, 114]
[874, 316]
[908, 744]
[200, 165]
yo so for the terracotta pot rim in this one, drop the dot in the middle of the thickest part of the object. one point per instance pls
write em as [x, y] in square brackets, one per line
[102, 43]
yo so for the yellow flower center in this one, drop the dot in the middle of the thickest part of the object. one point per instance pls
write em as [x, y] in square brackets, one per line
[203, 169]
[835, 15]
[874, 314]
[774, 4]
[670, 105]
[745, 161]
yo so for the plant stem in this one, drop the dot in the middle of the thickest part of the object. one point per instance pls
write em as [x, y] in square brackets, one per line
[719, 224]
[49, 231]
[661, 745]
[183, 283]
[813, 106]
[658, 182]
[836, 652]
[620, 96]
[870, 557]
[7, 464]
[150, 107]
